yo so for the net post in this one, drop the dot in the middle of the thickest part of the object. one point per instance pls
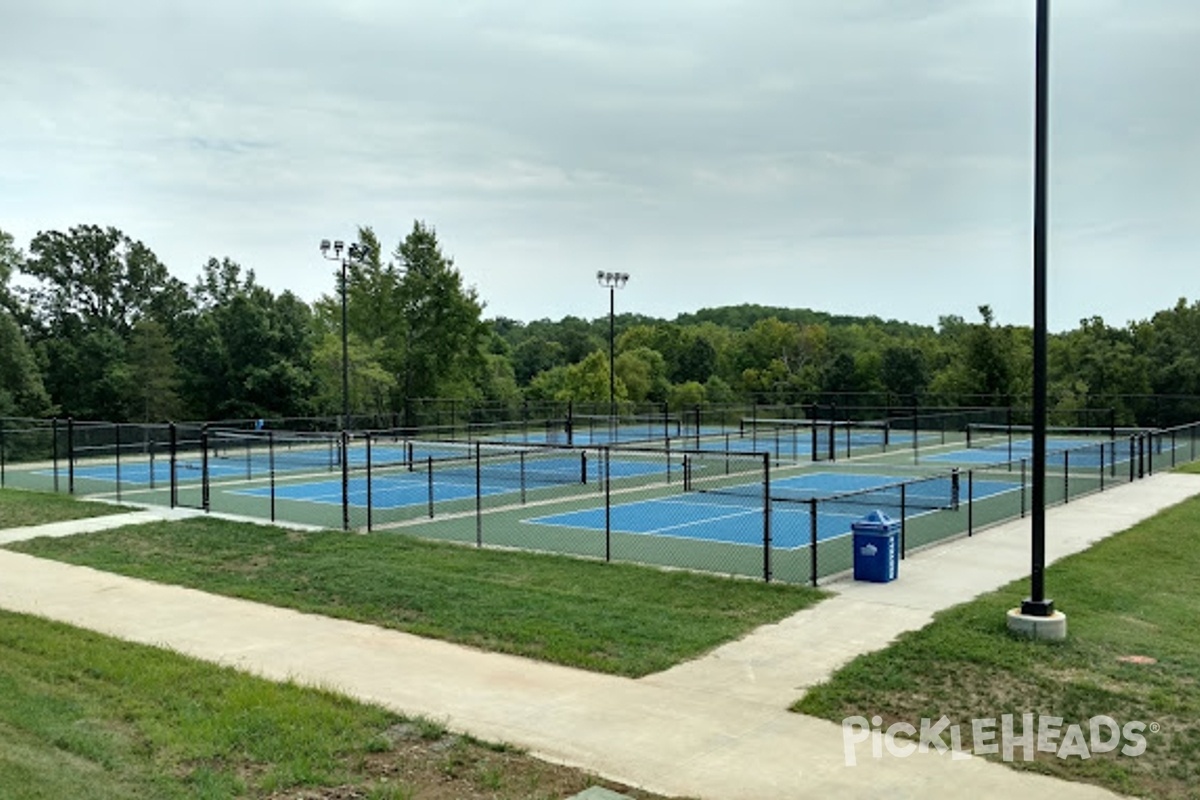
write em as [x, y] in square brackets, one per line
[687, 472]
[954, 488]
[345, 444]
[172, 453]
[583, 466]
[478, 497]
[271, 469]
[767, 517]
[249, 448]
[812, 542]
[521, 457]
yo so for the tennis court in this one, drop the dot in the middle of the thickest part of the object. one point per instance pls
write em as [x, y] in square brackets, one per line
[399, 487]
[734, 514]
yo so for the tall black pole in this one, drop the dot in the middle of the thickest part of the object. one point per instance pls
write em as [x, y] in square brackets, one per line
[1037, 604]
[612, 366]
[357, 253]
[345, 356]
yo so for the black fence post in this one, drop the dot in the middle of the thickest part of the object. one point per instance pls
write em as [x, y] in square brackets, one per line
[812, 541]
[54, 450]
[370, 506]
[71, 455]
[606, 454]
[1066, 454]
[970, 502]
[478, 495]
[903, 521]
[271, 469]
[3, 425]
[767, 517]
[345, 441]
[1022, 488]
[429, 482]
[117, 449]
[204, 488]
[172, 446]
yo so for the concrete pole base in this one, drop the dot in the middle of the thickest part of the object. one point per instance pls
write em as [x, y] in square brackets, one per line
[1052, 628]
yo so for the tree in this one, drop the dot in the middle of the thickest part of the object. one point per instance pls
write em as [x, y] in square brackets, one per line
[93, 286]
[151, 393]
[903, 371]
[443, 331]
[644, 374]
[245, 352]
[21, 391]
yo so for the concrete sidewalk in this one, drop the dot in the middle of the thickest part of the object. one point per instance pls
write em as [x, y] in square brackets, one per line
[715, 728]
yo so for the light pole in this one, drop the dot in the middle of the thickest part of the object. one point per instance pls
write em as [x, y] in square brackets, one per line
[1036, 615]
[612, 281]
[356, 253]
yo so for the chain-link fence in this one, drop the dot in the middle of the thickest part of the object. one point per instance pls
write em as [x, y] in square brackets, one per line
[773, 500]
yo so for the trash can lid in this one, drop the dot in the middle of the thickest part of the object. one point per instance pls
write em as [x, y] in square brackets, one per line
[875, 522]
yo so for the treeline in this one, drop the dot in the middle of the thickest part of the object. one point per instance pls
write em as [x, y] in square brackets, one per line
[94, 326]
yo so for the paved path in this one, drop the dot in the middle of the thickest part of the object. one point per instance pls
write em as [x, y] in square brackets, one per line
[714, 728]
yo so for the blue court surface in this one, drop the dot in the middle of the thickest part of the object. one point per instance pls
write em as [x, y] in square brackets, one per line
[737, 517]
[140, 473]
[1058, 452]
[457, 482]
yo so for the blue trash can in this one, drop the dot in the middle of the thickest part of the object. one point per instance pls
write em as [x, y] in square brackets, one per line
[876, 548]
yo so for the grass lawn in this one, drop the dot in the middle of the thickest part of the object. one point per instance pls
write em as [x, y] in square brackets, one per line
[20, 508]
[1133, 595]
[613, 618]
[92, 718]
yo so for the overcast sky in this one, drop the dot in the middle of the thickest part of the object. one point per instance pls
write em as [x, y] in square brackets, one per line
[851, 156]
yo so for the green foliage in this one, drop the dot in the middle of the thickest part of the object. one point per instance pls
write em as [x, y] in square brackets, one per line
[99, 329]
[246, 353]
[444, 333]
[21, 391]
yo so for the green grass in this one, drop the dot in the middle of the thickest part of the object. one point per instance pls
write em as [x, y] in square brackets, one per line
[613, 618]
[88, 717]
[1191, 468]
[1135, 594]
[20, 508]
